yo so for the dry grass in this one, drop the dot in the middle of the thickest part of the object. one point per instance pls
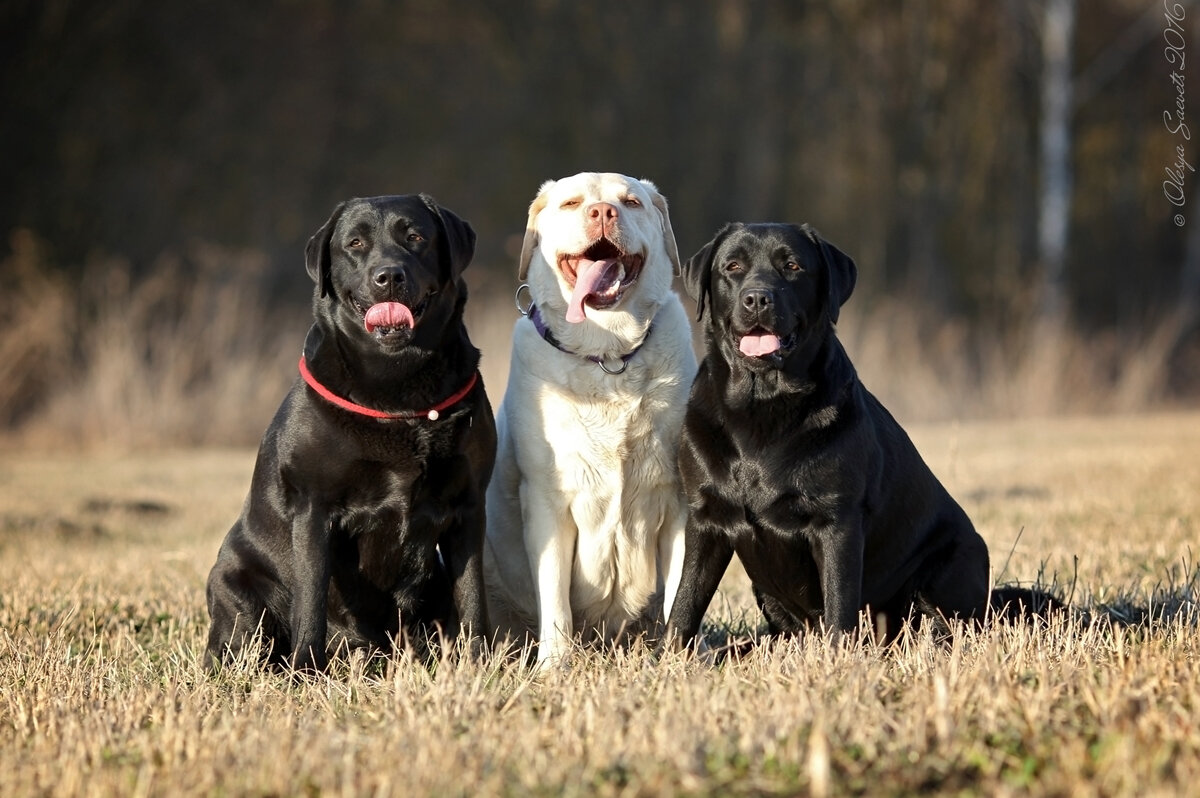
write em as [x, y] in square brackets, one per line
[103, 560]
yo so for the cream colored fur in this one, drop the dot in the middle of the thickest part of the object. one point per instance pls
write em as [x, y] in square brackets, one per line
[585, 516]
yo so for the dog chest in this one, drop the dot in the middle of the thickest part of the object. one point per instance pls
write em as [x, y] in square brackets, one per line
[616, 478]
[629, 429]
[754, 488]
[387, 539]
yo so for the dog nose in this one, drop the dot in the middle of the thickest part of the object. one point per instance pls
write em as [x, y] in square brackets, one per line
[388, 276]
[757, 299]
[602, 211]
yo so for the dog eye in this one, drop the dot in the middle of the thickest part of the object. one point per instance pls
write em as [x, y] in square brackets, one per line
[355, 243]
[415, 238]
[571, 203]
[632, 202]
[792, 266]
[733, 266]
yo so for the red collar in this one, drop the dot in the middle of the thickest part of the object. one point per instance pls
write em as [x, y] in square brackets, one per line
[431, 414]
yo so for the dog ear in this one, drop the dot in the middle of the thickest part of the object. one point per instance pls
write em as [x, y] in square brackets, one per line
[697, 272]
[531, 234]
[458, 235]
[316, 252]
[843, 273]
[660, 203]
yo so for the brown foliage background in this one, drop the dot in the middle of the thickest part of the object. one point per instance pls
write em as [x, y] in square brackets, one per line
[165, 164]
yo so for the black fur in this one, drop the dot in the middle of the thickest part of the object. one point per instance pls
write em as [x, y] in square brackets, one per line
[358, 529]
[790, 462]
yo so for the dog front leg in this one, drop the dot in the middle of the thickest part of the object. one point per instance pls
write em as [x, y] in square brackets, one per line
[550, 545]
[841, 578]
[670, 558]
[310, 574]
[707, 554]
[462, 547]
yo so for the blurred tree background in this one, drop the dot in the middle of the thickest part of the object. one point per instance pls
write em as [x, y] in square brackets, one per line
[137, 134]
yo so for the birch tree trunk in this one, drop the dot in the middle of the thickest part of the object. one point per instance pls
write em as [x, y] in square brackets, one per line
[1054, 202]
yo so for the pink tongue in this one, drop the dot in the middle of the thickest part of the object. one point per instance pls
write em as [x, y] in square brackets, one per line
[586, 278]
[758, 345]
[388, 314]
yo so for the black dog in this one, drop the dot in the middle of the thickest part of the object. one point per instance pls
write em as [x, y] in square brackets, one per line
[365, 515]
[789, 461]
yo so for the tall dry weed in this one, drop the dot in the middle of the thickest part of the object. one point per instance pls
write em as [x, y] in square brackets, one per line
[35, 345]
[196, 352]
[193, 353]
[927, 369]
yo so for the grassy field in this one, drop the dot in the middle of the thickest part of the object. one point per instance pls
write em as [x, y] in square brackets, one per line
[102, 568]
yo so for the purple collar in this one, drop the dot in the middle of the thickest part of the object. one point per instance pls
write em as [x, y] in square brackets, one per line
[539, 324]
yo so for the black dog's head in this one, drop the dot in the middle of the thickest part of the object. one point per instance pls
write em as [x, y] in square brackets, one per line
[387, 269]
[768, 289]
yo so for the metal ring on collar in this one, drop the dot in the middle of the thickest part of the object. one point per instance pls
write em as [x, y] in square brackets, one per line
[524, 311]
[607, 370]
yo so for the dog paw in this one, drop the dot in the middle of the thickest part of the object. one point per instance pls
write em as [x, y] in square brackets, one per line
[309, 662]
[553, 661]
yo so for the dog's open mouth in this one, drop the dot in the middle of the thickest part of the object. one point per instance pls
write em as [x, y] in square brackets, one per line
[388, 320]
[598, 276]
[763, 343]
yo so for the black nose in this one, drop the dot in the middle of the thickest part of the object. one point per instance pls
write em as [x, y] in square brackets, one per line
[388, 276]
[757, 299]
